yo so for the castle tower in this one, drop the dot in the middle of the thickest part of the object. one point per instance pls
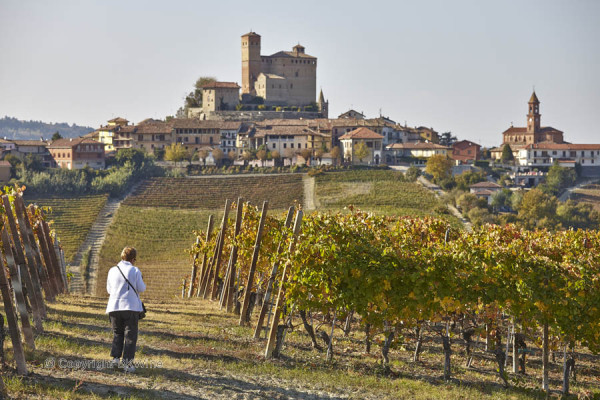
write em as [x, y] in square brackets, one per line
[533, 117]
[323, 105]
[251, 62]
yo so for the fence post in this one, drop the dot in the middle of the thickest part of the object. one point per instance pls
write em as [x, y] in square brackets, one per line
[18, 290]
[269, 289]
[272, 339]
[244, 319]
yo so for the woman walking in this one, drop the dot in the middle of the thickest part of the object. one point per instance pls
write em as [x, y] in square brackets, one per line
[124, 283]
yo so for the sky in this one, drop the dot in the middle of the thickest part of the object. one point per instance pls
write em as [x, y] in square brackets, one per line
[468, 67]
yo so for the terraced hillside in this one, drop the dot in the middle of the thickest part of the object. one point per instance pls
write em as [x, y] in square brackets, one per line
[72, 216]
[588, 194]
[210, 192]
[381, 191]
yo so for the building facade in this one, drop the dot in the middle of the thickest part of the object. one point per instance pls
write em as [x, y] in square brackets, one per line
[77, 153]
[285, 77]
[372, 140]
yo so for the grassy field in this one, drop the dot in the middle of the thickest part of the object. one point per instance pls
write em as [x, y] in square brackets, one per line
[200, 352]
[73, 217]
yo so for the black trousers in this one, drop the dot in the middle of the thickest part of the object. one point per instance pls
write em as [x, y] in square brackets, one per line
[125, 330]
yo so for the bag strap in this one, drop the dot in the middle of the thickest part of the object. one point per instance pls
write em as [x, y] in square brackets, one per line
[127, 280]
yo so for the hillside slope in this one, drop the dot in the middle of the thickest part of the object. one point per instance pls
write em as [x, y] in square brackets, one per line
[13, 128]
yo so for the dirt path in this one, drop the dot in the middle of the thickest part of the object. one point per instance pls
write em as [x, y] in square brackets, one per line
[439, 193]
[309, 192]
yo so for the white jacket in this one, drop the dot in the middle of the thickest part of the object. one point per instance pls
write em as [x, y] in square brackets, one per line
[122, 296]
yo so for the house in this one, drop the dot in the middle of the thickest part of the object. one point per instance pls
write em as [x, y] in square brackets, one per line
[77, 153]
[568, 155]
[417, 150]
[32, 147]
[220, 96]
[465, 151]
[351, 114]
[150, 134]
[485, 190]
[372, 140]
[107, 134]
[5, 171]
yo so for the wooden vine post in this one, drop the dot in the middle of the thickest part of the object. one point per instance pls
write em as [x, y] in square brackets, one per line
[272, 339]
[53, 283]
[244, 319]
[209, 270]
[28, 245]
[215, 280]
[43, 272]
[202, 273]
[229, 282]
[18, 290]
[54, 258]
[11, 318]
[269, 289]
[32, 294]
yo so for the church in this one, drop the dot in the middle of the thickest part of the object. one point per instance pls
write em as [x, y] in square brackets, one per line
[519, 137]
[284, 78]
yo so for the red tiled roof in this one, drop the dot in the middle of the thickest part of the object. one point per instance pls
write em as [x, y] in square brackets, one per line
[221, 85]
[463, 144]
[29, 142]
[485, 185]
[361, 133]
[118, 119]
[4, 164]
[251, 34]
[563, 146]
[417, 146]
[70, 143]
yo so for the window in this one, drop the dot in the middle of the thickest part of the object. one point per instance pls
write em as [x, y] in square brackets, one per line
[292, 145]
[284, 145]
[210, 140]
[273, 145]
[140, 138]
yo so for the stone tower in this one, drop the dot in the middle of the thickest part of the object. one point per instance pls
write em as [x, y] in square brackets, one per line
[323, 105]
[251, 62]
[533, 117]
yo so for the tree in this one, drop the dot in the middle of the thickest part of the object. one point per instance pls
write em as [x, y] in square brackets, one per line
[231, 155]
[306, 153]
[175, 152]
[194, 98]
[202, 155]
[135, 156]
[559, 178]
[218, 156]
[538, 210]
[360, 151]
[319, 155]
[440, 166]
[501, 199]
[578, 215]
[276, 157]
[336, 153]
[446, 139]
[55, 136]
[247, 156]
[412, 173]
[262, 156]
[507, 154]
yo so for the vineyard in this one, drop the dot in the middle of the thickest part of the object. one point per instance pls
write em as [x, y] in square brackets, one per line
[209, 193]
[72, 216]
[588, 194]
[381, 191]
[511, 299]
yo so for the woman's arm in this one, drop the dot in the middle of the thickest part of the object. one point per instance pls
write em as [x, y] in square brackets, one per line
[139, 284]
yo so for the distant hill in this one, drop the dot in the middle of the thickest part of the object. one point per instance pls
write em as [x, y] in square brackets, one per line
[13, 128]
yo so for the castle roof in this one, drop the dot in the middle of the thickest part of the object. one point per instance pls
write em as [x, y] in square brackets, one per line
[251, 34]
[291, 54]
[221, 85]
[361, 133]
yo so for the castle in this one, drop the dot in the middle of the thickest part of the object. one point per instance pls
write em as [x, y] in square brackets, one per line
[284, 78]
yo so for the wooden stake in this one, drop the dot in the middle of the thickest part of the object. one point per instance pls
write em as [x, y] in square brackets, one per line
[54, 287]
[43, 272]
[27, 237]
[11, 318]
[215, 282]
[203, 268]
[281, 295]
[244, 319]
[230, 281]
[18, 290]
[32, 294]
[54, 258]
[210, 270]
[269, 289]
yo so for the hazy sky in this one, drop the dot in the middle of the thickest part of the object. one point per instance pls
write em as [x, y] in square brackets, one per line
[462, 66]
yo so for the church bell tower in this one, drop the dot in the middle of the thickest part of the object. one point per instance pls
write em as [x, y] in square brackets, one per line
[533, 117]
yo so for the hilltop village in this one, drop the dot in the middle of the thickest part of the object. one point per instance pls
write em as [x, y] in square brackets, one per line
[276, 109]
